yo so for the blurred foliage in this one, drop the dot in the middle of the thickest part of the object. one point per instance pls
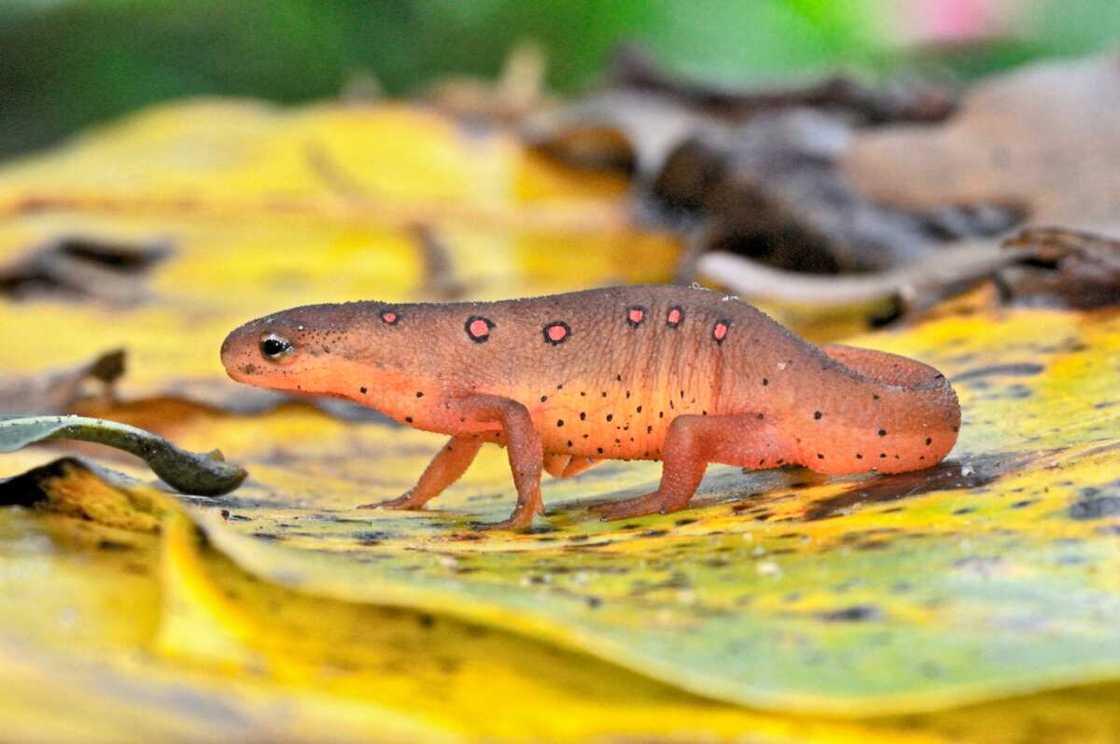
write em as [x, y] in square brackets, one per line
[69, 64]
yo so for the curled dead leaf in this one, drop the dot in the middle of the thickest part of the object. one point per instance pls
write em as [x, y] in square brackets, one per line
[83, 266]
[58, 391]
[188, 472]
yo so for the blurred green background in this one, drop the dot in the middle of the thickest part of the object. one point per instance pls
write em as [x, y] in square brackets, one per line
[67, 64]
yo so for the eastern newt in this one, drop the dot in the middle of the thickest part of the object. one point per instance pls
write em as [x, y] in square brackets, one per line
[680, 375]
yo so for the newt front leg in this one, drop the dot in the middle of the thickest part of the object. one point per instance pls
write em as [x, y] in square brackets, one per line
[522, 443]
[526, 455]
[446, 467]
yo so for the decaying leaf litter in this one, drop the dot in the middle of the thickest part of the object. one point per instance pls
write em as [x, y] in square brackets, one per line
[811, 180]
[992, 575]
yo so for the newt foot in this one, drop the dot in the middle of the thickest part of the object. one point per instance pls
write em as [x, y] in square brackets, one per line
[406, 502]
[650, 503]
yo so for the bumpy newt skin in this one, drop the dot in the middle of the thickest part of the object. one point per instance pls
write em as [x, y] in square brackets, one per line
[656, 373]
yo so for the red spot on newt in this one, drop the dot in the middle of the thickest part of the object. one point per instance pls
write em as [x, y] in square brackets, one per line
[719, 331]
[835, 409]
[478, 328]
[557, 332]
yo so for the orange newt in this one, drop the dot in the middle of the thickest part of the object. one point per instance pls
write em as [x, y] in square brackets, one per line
[674, 374]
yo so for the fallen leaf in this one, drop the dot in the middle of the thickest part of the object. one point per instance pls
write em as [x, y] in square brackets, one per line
[989, 576]
[226, 653]
[632, 69]
[298, 614]
[58, 390]
[188, 472]
[83, 267]
[1084, 269]
[1042, 138]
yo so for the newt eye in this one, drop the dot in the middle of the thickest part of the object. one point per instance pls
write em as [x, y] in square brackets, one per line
[275, 347]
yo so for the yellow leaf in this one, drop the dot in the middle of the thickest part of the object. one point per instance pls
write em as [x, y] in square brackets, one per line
[172, 640]
[991, 575]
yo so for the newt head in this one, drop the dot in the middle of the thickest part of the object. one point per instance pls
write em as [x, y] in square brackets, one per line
[306, 349]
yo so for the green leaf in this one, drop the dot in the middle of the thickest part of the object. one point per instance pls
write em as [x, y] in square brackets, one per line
[188, 472]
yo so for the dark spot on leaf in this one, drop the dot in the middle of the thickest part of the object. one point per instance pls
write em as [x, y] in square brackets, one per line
[1095, 507]
[853, 614]
[1019, 369]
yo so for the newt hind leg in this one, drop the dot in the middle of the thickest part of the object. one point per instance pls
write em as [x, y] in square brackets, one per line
[566, 466]
[692, 443]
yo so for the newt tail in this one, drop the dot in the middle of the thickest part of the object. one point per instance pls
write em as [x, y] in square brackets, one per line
[674, 374]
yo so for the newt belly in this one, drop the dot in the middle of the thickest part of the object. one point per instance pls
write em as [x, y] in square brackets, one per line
[680, 375]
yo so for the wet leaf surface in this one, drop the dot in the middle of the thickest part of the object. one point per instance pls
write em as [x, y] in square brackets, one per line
[224, 654]
[992, 575]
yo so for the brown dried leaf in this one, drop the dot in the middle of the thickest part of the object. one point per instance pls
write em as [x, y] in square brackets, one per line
[82, 266]
[633, 69]
[1045, 138]
[58, 391]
